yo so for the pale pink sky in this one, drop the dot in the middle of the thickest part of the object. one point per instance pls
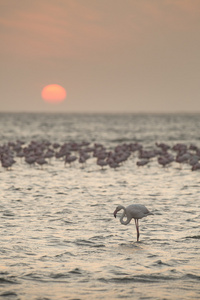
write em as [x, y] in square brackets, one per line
[110, 55]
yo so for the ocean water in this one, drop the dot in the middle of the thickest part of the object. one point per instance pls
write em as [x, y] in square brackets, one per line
[59, 238]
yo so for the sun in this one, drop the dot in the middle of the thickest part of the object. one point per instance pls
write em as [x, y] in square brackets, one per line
[53, 93]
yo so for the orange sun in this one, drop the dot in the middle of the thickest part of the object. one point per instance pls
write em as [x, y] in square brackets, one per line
[53, 93]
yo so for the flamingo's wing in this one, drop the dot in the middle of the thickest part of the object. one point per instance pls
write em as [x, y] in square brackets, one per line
[137, 211]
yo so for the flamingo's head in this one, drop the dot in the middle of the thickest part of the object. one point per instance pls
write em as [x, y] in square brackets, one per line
[118, 208]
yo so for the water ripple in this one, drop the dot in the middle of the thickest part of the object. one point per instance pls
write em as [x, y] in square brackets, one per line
[59, 239]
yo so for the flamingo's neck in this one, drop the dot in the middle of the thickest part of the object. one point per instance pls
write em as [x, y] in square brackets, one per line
[128, 219]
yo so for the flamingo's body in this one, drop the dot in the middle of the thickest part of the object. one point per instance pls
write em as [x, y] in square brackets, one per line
[133, 211]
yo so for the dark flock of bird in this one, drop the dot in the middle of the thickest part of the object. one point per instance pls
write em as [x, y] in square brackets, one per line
[40, 153]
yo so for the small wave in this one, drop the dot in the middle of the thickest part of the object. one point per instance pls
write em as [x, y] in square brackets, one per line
[76, 271]
[61, 193]
[160, 262]
[88, 243]
[65, 253]
[64, 211]
[13, 188]
[35, 277]
[68, 222]
[59, 275]
[99, 246]
[97, 237]
[141, 278]
[8, 213]
[8, 280]
[81, 242]
[193, 237]
[192, 276]
[8, 294]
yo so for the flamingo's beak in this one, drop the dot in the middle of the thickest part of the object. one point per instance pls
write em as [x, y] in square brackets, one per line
[115, 213]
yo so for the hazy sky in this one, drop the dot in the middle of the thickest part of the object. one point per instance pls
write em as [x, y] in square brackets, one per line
[110, 55]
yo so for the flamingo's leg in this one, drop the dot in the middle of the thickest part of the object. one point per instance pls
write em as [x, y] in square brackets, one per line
[137, 228]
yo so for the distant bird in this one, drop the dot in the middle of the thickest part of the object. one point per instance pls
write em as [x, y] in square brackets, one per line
[196, 166]
[101, 162]
[30, 159]
[49, 154]
[41, 161]
[7, 162]
[83, 157]
[133, 211]
[69, 159]
[113, 164]
[142, 162]
[165, 160]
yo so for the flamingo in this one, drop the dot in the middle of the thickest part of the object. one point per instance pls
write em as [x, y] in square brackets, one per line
[133, 211]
